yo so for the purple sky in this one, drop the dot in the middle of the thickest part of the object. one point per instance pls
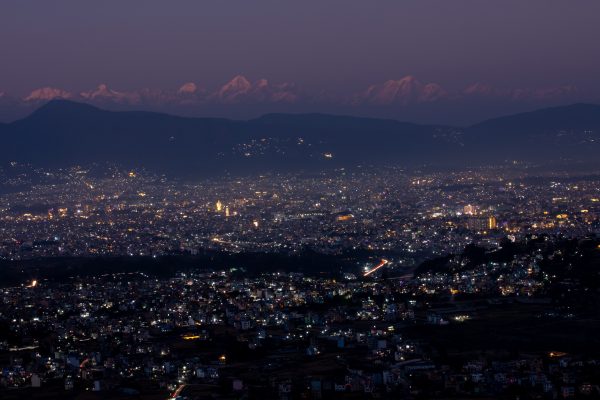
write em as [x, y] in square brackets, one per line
[340, 46]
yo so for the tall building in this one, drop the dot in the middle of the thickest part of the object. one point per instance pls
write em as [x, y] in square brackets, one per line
[219, 206]
[492, 223]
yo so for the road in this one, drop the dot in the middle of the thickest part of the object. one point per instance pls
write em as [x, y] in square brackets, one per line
[380, 265]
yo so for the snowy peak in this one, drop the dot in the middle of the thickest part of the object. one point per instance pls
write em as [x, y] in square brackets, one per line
[47, 93]
[432, 92]
[104, 93]
[234, 90]
[239, 82]
[240, 89]
[404, 91]
[101, 91]
[188, 88]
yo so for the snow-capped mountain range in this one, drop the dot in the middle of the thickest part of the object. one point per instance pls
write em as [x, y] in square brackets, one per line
[404, 91]
[407, 90]
[263, 96]
[237, 90]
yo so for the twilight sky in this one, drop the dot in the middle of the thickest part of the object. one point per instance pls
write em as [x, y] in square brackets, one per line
[336, 45]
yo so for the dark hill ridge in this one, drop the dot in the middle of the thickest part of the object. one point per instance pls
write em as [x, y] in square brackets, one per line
[569, 132]
[575, 116]
[65, 132]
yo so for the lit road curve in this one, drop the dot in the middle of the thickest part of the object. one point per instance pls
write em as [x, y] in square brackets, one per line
[380, 265]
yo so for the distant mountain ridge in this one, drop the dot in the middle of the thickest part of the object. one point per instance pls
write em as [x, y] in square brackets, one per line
[63, 132]
[400, 98]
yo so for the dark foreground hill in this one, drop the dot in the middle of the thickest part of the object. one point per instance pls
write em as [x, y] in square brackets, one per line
[66, 133]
